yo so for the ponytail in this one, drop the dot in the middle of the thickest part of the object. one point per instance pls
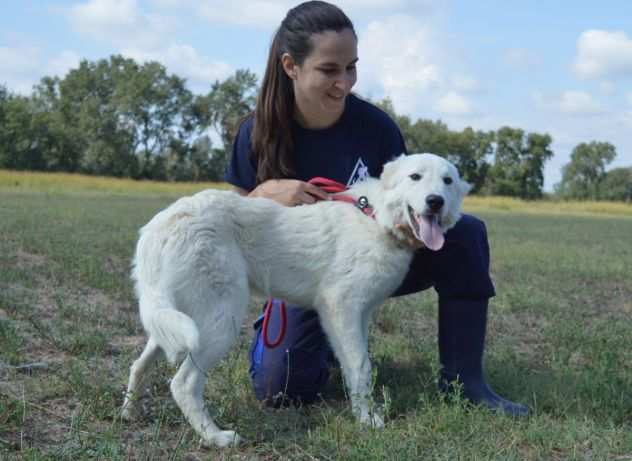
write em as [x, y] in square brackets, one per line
[271, 137]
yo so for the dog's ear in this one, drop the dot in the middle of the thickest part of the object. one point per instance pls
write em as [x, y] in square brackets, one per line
[464, 187]
[388, 172]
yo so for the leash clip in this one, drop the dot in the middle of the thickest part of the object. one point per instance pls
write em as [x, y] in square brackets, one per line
[363, 202]
[364, 206]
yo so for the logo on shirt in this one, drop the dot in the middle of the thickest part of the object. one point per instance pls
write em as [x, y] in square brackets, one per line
[360, 173]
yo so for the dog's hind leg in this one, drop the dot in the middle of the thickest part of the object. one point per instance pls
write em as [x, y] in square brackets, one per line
[137, 379]
[217, 334]
[347, 331]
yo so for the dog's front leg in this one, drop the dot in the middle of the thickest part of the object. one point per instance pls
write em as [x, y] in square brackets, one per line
[346, 333]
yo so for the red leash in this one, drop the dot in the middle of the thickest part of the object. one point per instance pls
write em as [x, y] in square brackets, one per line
[267, 312]
[332, 187]
[328, 185]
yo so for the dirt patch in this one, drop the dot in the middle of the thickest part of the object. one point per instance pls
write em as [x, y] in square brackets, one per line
[27, 260]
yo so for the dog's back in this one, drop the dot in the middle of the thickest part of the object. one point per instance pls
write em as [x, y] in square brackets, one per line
[215, 237]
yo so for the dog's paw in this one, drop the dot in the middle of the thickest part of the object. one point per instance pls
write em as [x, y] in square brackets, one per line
[373, 419]
[223, 439]
[129, 412]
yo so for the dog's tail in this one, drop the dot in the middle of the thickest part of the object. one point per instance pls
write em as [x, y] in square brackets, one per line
[174, 331]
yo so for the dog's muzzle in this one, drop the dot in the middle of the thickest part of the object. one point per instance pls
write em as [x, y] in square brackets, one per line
[435, 203]
[426, 226]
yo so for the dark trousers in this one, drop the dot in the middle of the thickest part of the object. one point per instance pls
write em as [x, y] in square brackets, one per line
[299, 367]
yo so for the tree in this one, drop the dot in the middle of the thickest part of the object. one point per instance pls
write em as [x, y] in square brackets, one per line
[583, 175]
[227, 104]
[60, 149]
[534, 157]
[23, 137]
[519, 159]
[467, 149]
[87, 110]
[155, 107]
[223, 108]
[117, 115]
[420, 136]
[617, 185]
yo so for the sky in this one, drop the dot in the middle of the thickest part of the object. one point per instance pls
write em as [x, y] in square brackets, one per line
[562, 67]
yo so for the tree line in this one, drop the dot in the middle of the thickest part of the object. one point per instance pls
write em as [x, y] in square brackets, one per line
[117, 117]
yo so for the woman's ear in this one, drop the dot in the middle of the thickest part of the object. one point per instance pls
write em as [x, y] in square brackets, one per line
[289, 66]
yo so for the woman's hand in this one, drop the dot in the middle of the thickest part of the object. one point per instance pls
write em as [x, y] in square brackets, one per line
[289, 192]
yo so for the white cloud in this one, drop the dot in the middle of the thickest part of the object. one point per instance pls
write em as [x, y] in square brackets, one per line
[408, 61]
[269, 13]
[23, 66]
[453, 103]
[628, 97]
[570, 102]
[167, 3]
[120, 22]
[60, 65]
[626, 119]
[105, 13]
[579, 103]
[608, 88]
[465, 83]
[602, 53]
[258, 13]
[391, 4]
[18, 59]
[521, 58]
[140, 34]
[19, 66]
[185, 61]
[396, 55]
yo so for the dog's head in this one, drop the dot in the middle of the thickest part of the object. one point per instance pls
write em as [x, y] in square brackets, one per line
[425, 193]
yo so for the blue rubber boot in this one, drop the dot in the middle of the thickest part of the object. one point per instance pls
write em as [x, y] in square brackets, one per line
[462, 326]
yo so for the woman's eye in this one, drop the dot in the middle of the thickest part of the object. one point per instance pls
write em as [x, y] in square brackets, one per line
[447, 180]
[415, 176]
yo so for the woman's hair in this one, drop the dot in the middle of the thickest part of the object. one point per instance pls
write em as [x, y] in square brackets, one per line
[271, 136]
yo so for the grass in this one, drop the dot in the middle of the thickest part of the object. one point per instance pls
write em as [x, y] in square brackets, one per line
[68, 182]
[558, 340]
[547, 207]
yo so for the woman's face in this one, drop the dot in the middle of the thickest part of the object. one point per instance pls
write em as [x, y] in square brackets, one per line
[325, 78]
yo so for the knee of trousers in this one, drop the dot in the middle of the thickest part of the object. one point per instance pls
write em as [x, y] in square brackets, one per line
[469, 230]
[298, 368]
[462, 266]
[301, 382]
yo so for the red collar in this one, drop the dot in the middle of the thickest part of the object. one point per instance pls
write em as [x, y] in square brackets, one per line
[328, 185]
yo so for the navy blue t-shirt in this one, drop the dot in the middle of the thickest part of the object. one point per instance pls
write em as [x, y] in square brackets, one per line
[356, 146]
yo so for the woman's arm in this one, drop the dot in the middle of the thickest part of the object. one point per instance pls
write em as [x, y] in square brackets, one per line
[288, 192]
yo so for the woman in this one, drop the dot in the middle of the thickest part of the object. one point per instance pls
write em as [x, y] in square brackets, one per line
[307, 123]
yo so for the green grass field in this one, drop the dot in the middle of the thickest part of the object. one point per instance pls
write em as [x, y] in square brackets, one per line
[559, 339]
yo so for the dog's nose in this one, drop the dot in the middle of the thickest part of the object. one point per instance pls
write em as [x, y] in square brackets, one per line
[434, 202]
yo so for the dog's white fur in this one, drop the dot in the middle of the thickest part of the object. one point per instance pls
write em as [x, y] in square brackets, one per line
[197, 261]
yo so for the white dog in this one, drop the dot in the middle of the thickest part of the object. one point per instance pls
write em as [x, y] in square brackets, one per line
[197, 261]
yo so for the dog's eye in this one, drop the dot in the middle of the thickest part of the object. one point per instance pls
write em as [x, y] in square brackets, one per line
[415, 176]
[447, 180]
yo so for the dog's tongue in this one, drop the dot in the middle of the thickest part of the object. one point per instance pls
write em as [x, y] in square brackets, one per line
[430, 233]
